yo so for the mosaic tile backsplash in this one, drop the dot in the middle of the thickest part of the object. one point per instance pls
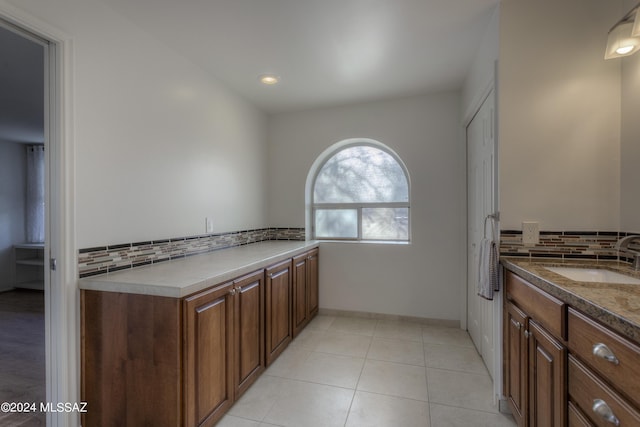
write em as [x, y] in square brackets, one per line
[566, 244]
[104, 259]
[553, 244]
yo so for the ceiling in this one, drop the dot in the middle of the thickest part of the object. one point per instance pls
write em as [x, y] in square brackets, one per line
[326, 52]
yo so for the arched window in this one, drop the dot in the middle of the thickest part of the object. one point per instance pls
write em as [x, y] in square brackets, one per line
[361, 192]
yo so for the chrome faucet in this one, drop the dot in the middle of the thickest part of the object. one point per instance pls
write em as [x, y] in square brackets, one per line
[623, 245]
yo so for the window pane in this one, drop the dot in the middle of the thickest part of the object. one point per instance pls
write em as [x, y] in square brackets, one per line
[337, 223]
[385, 223]
[361, 174]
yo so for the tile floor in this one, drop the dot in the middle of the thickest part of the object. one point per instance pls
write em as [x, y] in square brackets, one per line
[352, 372]
[340, 371]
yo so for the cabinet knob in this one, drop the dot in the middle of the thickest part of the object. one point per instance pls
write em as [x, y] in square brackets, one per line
[603, 410]
[517, 324]
[602, 351]
[527, 334]
[232, 291]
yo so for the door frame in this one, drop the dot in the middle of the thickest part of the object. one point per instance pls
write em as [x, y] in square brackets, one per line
[62, 300]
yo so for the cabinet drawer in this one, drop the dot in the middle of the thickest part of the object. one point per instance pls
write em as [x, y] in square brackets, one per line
[589, 392]
[577, 418]
[542, 307]
[587, 337]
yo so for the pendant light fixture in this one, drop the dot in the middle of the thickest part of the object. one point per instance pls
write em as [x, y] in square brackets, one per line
[624, 38]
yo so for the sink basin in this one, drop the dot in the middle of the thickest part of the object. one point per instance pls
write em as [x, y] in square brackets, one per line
[599, 275]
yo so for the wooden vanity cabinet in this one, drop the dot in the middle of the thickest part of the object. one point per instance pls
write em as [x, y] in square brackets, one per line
[305, 289]
[182, 362]
[278, 309]
[534, 358]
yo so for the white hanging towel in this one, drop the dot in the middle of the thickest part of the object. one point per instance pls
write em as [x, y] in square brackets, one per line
[488, 280]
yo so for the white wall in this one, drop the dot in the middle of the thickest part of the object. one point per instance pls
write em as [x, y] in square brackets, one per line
[12, 206]
[422, 279]
[482, 71]
[559, 106]
[160, 145]
[630, 144]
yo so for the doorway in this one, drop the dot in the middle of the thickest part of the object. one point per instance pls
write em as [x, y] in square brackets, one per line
[61, 333]
[23, 241]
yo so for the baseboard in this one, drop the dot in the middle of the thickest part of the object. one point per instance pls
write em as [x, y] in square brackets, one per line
[503, 406]
[381, 316]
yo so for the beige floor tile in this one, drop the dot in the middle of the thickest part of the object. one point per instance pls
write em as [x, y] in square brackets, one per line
[258, 399]
[448, 416]
[309, 338]
[394, 379]
[376, 410]
[461, 389]
[289, 361]
[310, 405]
[397, 350]
[344, 344]
[353, 325]
[231, 421]
[330, 369]
[320, 323]
[455, 358]
[444, 335]
[398, 330]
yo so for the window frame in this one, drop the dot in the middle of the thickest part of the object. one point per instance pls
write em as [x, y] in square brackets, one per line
[359, 206]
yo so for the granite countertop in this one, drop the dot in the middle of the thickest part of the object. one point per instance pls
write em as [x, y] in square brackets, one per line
[182, 277]
[615, 305]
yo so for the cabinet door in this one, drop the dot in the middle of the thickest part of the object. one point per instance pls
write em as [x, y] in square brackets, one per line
[547, 385]
[278, 310]
[208, 355]
[300, 293]
[515, 360]
[249, 330]
[312, 283]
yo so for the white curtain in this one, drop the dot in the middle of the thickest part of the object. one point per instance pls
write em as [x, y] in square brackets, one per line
[35, 194]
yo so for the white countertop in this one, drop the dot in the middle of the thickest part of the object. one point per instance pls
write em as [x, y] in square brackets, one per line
[182, 277]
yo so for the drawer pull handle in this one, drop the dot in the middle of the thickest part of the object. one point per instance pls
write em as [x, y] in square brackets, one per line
[603, 410]
[602, 351]
[517, 324]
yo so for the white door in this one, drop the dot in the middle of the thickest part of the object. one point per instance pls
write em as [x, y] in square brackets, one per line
[480, 204]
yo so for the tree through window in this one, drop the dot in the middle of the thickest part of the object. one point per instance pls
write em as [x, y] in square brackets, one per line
[361, 192]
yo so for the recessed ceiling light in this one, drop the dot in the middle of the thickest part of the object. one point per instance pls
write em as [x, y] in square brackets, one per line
[269, 79]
